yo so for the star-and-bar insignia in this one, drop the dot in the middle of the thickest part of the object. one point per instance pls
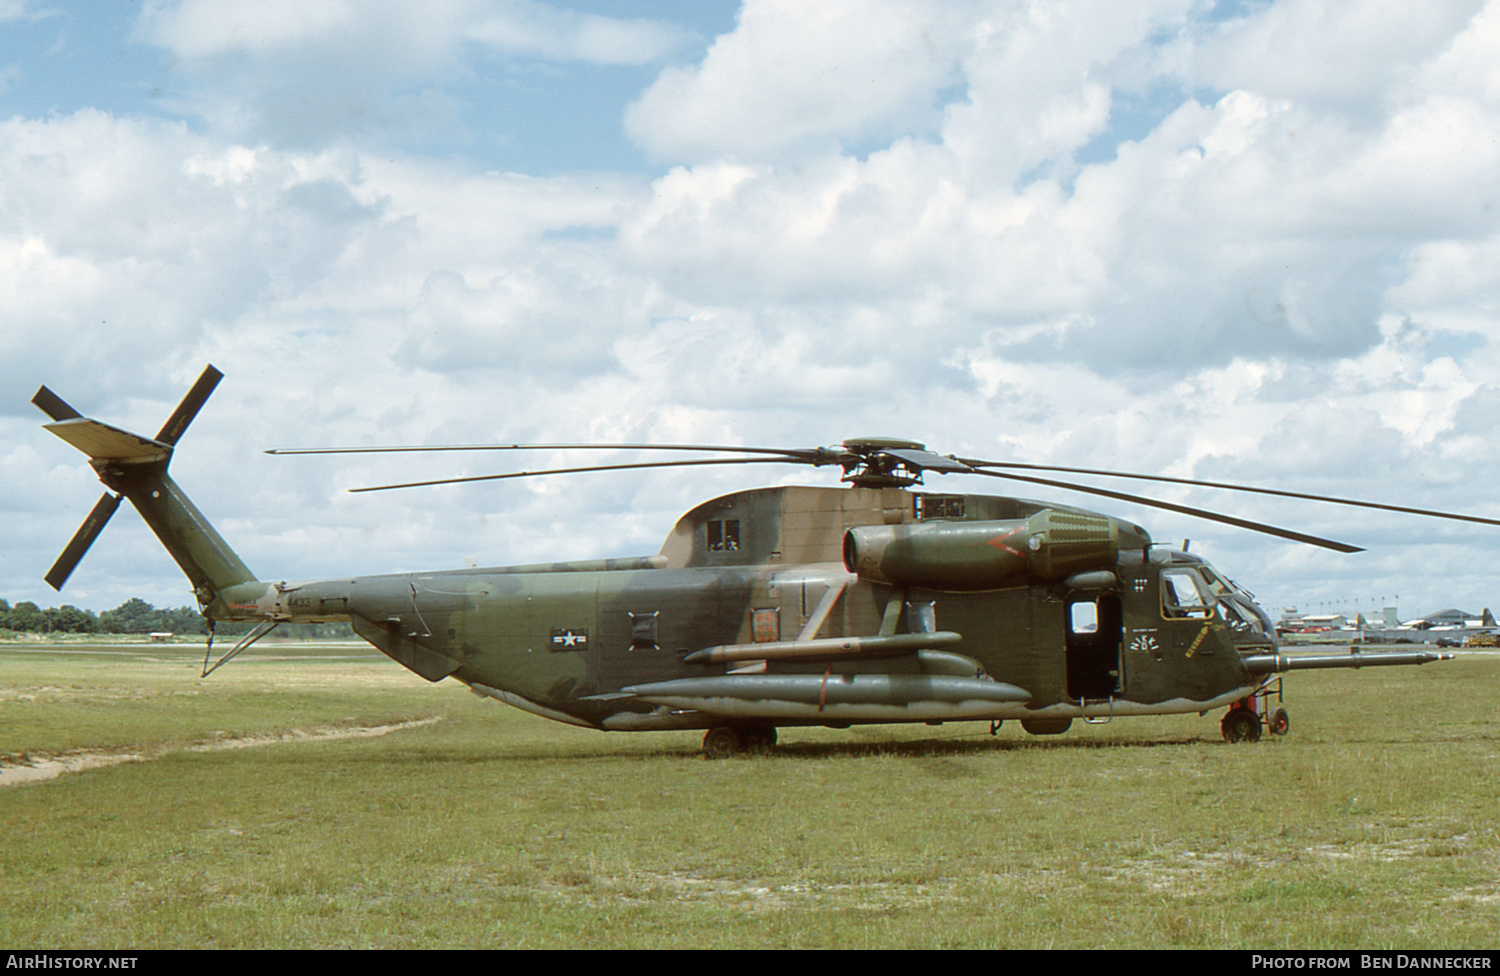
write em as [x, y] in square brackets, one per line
[570, 639]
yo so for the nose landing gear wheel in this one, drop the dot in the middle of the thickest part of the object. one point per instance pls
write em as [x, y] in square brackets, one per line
[1280, 723]
[1240, 725]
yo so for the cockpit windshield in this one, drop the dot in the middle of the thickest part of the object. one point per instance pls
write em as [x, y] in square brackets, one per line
[1217, 583]
[1236, 604]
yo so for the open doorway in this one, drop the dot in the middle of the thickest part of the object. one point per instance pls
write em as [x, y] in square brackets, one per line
[1092, 646]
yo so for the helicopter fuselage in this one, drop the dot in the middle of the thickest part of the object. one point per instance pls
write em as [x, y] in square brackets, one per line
[763, 608]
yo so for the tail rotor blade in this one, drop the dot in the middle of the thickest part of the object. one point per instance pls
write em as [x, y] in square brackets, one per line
[54, 406]
[188, 408]
[85, 536]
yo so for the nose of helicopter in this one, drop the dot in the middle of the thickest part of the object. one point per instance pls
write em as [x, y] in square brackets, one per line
[1250, 627]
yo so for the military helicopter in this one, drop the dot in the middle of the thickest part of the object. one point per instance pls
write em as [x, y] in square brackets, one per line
[877, 602]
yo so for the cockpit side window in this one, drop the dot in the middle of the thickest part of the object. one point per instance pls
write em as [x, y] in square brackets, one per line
[1184, 594]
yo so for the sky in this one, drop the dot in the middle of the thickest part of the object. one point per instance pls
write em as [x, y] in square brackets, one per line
[1252, 241]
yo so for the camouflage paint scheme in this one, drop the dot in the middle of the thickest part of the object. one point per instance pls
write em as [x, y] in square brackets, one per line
[773, 607]
[592, 643]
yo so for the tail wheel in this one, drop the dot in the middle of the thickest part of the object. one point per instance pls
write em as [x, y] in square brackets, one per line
[1240, 725]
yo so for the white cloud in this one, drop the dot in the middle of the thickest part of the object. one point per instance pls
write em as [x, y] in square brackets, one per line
[205, 28]
[797, 76]
[122, 234]
[1347, 56]
[1254, 226]
[302, 72]
[201, 29]
[913, 219]
[1469, 67]
[530, 29]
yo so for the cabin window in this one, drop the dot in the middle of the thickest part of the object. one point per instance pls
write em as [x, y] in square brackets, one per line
[1184, 594]
[643, 631]
[724, 535]
[921, 618]
[940, 506]
[1083, 617]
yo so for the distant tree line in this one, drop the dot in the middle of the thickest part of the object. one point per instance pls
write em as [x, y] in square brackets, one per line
[136, 616]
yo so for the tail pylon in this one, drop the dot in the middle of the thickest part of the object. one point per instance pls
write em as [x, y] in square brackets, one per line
[135, 468]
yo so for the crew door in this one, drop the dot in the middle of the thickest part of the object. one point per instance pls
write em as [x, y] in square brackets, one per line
[1093, 623]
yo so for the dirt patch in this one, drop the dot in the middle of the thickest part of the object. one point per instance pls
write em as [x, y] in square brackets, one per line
[45, 769]
[41, 769]
[647, 887]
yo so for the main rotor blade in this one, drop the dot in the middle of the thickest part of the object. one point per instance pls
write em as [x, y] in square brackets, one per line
[793, 455]
[1311, 540]
[82, 539]
[189, 407]
[1233, 487]
[598, 467]
[54, 406]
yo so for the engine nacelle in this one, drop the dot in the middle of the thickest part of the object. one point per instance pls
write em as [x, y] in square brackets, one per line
[1050, 545]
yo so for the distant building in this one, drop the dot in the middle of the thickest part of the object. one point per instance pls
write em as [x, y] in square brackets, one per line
[1444, 618]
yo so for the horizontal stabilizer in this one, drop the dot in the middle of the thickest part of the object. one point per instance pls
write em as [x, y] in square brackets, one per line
[105, 443]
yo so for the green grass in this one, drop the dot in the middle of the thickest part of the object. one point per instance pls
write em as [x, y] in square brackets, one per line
[1370, 826]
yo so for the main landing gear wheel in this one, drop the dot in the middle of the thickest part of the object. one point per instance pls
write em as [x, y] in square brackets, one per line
[761, 739]
[724, 741]
[1240, 725]
[721, 742]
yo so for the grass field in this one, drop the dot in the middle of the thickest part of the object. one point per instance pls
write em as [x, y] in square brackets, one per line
[1373, 825]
